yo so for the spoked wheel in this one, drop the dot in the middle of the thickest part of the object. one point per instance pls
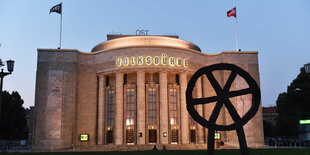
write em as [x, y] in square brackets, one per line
[222, 97]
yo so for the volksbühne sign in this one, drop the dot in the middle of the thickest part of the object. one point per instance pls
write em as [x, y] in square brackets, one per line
[149, 60]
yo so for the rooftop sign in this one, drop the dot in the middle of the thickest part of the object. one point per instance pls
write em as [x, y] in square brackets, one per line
[142, 32]
[151, 60]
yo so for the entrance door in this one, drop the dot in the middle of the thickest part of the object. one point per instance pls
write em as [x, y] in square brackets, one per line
[193, 136]
[109, 137]
[152, 136]
[174, 136]
[130, 136]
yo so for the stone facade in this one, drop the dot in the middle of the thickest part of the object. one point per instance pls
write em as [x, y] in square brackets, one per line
[129, 93]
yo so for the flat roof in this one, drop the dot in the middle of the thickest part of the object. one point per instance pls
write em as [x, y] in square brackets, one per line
[116, 36]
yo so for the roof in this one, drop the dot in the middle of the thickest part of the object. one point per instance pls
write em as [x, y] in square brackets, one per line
[128, 41]
[116, 36]
[269, 109]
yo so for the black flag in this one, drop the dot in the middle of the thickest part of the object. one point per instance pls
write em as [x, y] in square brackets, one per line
[56, 8]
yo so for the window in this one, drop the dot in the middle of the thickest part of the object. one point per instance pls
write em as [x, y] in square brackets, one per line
[191, 120]
[110, 108]
[130, 107]
[125, 79]
[177, 79]
[173, 108]
[152, 106]
[107, 81]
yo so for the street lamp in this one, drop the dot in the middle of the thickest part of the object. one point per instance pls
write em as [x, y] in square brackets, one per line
[307, 68]
[10, 67]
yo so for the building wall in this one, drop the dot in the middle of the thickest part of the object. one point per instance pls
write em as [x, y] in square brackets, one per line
[55, 100]
[71, 96]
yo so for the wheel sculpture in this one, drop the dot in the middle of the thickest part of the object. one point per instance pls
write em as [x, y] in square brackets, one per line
[222, 97]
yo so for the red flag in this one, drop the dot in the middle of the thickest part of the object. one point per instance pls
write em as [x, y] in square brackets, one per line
[232, 12]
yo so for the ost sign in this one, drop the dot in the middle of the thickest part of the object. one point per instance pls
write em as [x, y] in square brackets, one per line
[149, 60]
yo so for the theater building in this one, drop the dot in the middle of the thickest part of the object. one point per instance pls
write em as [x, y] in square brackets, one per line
[128, 93]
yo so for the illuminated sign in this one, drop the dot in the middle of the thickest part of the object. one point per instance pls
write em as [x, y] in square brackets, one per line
[84, 137]
[302, 122]
[151, 60]
[217, 136]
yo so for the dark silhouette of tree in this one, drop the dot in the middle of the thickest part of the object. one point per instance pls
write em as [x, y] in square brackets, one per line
[294, 105]
[13, 124]
[269, 129]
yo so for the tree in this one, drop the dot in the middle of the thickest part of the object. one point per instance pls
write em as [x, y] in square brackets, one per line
[269, 129]
[13, 124]
[294, 105]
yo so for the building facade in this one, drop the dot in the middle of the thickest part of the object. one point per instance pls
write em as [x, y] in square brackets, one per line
[270, 115]
[129, 93]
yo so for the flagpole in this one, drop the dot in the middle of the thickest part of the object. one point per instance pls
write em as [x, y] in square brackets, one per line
[236, 34]
[60, 27]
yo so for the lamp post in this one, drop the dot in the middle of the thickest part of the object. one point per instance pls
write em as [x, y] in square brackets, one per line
[10, 67]
[307, 68]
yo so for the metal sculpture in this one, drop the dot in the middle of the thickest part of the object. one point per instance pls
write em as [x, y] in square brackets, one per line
[222, 97]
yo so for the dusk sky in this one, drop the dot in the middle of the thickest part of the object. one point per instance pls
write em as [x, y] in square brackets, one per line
[278, 29]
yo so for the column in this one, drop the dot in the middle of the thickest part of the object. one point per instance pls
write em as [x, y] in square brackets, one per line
[200, 111]
[101, 100]
[184, 113]
[119, 109]
[163, 122]
[141, 107]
